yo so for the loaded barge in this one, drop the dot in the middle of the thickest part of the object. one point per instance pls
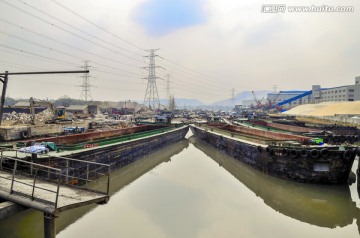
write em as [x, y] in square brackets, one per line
[115, 147]
[331, 136]
[283, 155]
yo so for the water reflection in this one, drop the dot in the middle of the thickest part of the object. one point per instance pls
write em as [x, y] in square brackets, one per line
[30, 222]
[321, 205]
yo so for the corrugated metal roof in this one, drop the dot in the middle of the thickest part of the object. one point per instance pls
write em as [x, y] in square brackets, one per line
[294, 91]
[22, 104]
[77, 107]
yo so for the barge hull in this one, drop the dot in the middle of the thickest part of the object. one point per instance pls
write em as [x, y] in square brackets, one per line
[301, 169]
[121, 154]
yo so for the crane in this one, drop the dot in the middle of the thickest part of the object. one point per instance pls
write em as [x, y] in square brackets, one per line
[271, 102]
[258, 102]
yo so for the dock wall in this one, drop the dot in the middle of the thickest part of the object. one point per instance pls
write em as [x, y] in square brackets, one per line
[9, 208]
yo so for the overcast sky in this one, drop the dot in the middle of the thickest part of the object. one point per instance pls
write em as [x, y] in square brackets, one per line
[207, 48]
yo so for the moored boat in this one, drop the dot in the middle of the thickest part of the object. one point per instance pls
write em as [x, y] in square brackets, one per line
[117, 150]
[287, 156]
[331, 136]
[320, 205]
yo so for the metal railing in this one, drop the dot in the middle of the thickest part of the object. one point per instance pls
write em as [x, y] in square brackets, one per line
[83, 173]
[15, 166]
[60, 171]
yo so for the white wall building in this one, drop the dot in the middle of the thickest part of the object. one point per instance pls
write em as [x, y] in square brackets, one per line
[318, 95]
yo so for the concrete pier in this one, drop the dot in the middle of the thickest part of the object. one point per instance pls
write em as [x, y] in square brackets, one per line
[49, 226]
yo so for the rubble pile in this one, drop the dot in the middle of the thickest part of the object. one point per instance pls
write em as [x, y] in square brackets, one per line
[110, 125]
[24, 118]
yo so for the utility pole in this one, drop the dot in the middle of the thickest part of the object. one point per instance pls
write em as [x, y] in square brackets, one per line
[151, 95]
[85, 92]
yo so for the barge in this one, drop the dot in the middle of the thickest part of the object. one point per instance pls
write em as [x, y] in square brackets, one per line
[118, 150]
[287, 156]
[332, 135]
[308, 203]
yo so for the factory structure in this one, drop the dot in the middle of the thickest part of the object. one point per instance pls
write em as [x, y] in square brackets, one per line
[290, 99]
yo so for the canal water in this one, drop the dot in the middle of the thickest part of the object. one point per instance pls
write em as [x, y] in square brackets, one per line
[192, 190]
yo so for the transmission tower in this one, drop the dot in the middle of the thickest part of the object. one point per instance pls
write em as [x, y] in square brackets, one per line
[151, 95]
[85, 92]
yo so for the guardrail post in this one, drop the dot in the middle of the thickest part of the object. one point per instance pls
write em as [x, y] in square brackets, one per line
[31, 169]
[108, 183]
[13, 177]
[48, 168]
[1, 160]
[57, 190]
[87, 174]
[67, 172]
[33, 190]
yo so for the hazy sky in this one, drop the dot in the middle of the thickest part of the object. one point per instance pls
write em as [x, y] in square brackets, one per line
[206, 47]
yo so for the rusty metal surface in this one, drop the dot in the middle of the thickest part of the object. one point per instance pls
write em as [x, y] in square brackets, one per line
[261, 133]
[89, 136]
[280, 164]
[291, 128]
[123, 153]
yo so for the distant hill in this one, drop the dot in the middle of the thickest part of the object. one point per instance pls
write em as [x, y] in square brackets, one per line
[183, 103]
[226, 104]
[245, 95]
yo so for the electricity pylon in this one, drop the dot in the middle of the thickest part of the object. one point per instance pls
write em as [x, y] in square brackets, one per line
[85, 92]
[151, 95]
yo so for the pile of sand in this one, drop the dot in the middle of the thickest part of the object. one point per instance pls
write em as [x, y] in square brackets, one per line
[326, 109]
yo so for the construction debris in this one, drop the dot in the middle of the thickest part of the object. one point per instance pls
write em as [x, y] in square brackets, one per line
[24, 118]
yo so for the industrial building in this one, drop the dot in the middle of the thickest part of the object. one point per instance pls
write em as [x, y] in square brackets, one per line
[289, 99]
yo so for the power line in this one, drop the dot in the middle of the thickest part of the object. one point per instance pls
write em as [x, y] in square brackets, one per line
[67, 31]
[20, 65]
[101, 28]
[42, 46]
[191, 70]
[199, 84]
[59, 61]
[205, 87]
[71, 26]
[62, 43]
[31, 53]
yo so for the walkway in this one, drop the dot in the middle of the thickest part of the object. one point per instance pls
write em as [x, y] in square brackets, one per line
[48, 189]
